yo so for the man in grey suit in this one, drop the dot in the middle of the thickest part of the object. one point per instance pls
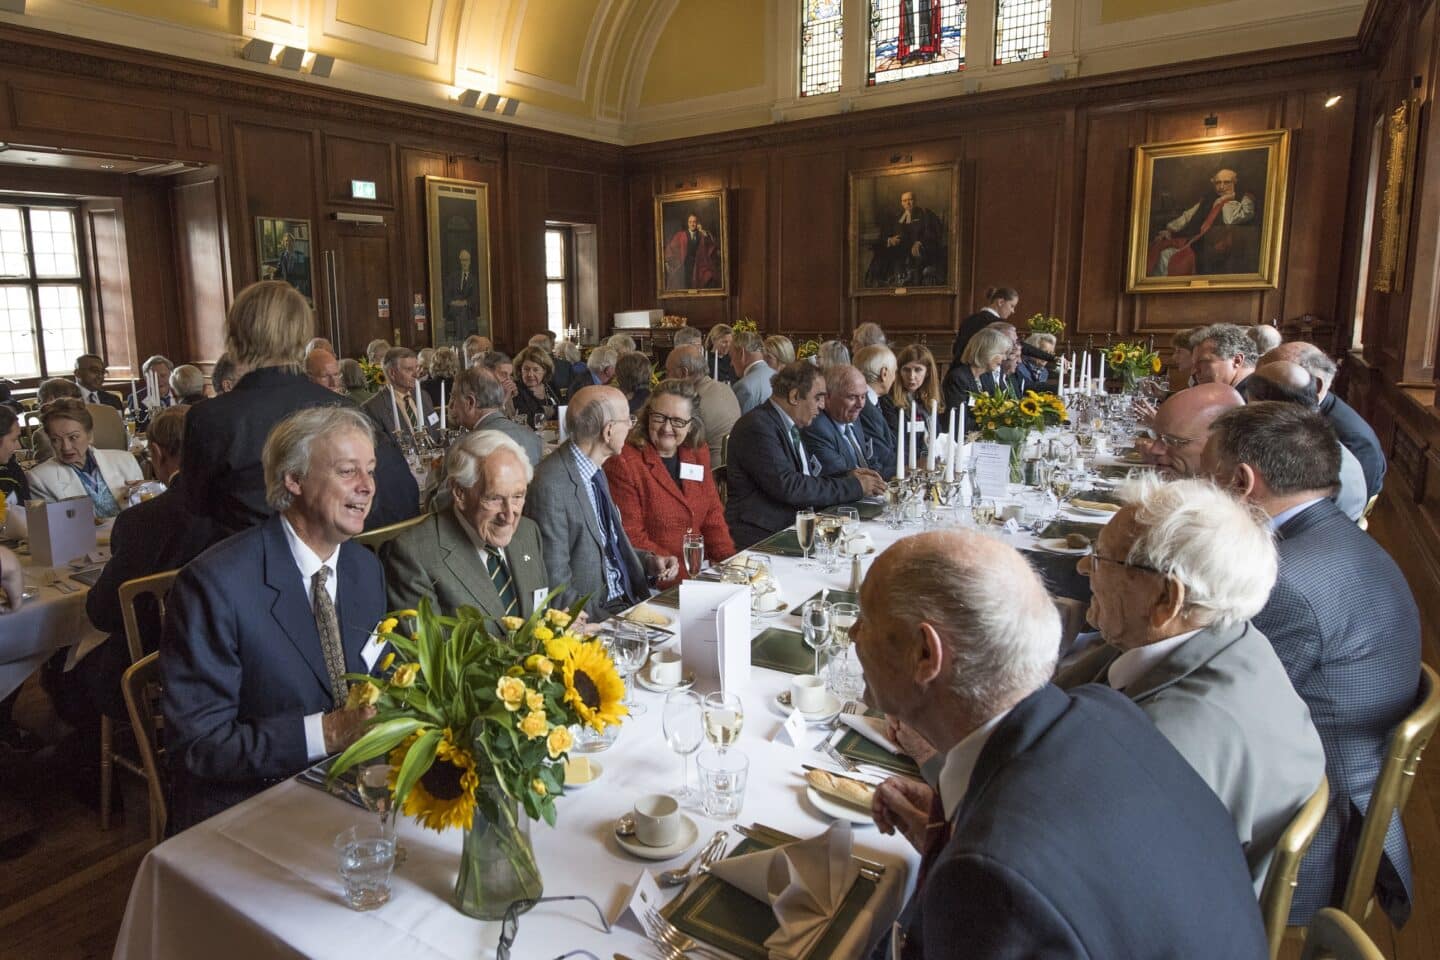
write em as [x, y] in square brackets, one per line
[586, 549]
[402, 372]
[718, 407]
[1172, 604]
[479, 552]
[747, 356]
[477, 402]
[1344, 623]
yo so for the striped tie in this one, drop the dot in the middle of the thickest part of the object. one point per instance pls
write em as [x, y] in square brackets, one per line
[504, 586]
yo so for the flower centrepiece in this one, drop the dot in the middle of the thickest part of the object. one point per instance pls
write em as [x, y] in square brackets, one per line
[1133, 361]
[1043, 324]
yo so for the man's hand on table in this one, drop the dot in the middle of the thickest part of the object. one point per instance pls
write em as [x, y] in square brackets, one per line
[343, 727]
[871, 482]
[12, 578]
[903, 804]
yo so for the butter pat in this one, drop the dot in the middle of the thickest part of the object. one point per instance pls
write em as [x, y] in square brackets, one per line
[577, 771]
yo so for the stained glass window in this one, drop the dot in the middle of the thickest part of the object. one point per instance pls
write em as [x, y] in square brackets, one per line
[42, 300]
[915, 38]
[822, 35]
[1022, 30]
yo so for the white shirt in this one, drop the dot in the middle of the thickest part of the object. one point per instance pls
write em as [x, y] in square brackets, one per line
[796, 445]
[309, 562]
[960, 764]
[86, 394]
[1285, 516]
[872, 396]
[1134, 664]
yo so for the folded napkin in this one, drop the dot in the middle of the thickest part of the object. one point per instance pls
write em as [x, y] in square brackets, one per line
[804, 882]
[872, 729]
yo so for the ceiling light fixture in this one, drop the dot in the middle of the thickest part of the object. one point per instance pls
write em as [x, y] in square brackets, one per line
[468, 98]
[257, 51]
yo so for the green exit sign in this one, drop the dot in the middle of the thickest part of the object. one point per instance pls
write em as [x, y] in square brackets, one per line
[362, 189]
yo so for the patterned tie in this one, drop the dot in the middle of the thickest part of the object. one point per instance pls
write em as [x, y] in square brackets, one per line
[504, 585]
[327, 624]
[409, 407]
[849, 430]
[608, 524]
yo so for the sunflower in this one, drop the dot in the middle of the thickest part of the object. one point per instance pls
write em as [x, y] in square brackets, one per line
[1029, 407]
[1117, 356]
[562, 647]
[444, 795]
[1154, 364]
[593, 687]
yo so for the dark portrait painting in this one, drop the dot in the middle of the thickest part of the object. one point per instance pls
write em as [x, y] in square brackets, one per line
[691, 238]
[903, 229]
[283, 252]
[459, 245]
[1206, 213]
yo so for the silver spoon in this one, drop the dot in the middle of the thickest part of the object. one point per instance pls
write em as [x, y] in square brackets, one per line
[679, 875]
[625, 826]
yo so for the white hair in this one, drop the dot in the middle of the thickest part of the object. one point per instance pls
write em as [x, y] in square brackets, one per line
[602, 358]
[187, 380]
[621, 342]
[288, 447]
[467, 457]
[155, 361]
[1221, 550]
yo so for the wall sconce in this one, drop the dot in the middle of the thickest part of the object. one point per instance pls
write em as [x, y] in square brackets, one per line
[13, 6]
[488, 102]
[320, 65]
[468, 98]
[1333, 99]
[257, 51]
[290, 58]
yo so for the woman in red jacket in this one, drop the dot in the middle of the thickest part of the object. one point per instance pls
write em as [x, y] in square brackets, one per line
[661, 482]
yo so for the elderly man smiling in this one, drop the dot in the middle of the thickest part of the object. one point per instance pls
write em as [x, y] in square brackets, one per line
[480, 552]
[834, 437]
[1173, 607]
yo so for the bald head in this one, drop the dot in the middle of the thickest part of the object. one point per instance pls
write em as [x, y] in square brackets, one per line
[1285, 373]
[322, 368]
[594, 413]
[685, 362]
[1183, 423]
[1315, 361]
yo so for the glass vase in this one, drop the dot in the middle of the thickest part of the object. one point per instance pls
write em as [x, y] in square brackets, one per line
[497, 862]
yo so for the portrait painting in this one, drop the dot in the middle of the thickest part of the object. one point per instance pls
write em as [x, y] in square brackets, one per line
[903, 229]
[283, 252]
[1206, 214]
[692, 238]
[457, 214]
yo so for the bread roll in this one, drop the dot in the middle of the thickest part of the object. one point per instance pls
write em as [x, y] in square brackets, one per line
[647, 614]
[853, 792]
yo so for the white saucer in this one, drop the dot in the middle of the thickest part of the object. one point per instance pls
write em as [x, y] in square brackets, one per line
[838, 810]
[813, 718]
[689, 833]
[646, 683]
[1057, 545]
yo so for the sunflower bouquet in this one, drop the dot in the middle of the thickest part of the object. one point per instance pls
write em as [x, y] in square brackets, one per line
[807, 349]
[1043, 324]
[1132, 361]
[374, 374]
[1005, 418]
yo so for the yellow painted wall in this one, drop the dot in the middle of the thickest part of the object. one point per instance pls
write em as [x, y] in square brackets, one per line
[552, 38]
[408, 21]
[224, 16]
[706, 49]
[1114, 11]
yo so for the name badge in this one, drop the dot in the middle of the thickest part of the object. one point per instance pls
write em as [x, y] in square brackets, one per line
[370, 653]
[537, 599]
[692, 471]
[434, 418]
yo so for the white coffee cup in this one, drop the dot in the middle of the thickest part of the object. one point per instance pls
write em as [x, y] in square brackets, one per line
[1012, 511]
[657, 820]
[807, 693]
[665, 668]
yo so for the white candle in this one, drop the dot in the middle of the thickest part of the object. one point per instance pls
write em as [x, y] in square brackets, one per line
[134, 394]
[1085, 372]
[419, 407]
[1102, 371]
[930, 439]
[443, 406]
[914, 444]
[1074, 369]
[899, 444]
[954, 451]
[394, 408]
[715, 363]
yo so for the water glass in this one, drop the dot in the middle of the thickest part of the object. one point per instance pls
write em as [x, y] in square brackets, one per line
[722, 782]
[844, 675]
[693, 549]
[815, 626]
[630, 648]
[366, 855]
[684, 727]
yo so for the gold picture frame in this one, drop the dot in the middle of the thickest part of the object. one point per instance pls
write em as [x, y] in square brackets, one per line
[889, 257]
[1183, 238]
[686, 267]
[1396, 184]
[282, 252]
[457, 217]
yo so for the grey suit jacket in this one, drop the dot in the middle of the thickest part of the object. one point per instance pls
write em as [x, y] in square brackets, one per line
[437, 559]
[528, 439]
[753, 388]
[381, 408]
[559, 503]
[1223, 699]
[719, 409]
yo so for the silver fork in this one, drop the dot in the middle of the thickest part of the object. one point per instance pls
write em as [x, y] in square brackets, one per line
[846, 764]
[670, 935]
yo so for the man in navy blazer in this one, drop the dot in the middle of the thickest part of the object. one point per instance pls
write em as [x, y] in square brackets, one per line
[261, 628]
[1344, 623]
[770, 474]
[1065, 825]
[835, 437]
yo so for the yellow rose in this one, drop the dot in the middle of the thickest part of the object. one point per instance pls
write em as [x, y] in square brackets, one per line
[534, 701]
[540, 664]
[538, 786]
[512, 623]
[362, 694]
[389, 659]
[535, 725]
[544, 633]
[404, 675]
[511, 691]
[559, 741]
[558, 618]
[515, 671]
[387, 625]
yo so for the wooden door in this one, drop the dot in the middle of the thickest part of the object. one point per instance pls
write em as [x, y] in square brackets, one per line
[361, 279]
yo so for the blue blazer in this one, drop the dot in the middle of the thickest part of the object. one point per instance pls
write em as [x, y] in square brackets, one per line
[753, 387]
[1345, 625]
[242, 665]
[824, 441]
[1084, 834]
[766, 482]
[882, 439]
[1359, 438]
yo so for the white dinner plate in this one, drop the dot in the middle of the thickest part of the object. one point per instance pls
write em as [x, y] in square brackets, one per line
[1057, 545]
[838, 810]
[813, 718]
[689, 833]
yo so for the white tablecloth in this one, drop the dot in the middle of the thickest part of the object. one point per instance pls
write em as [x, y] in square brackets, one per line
[260, 879]
[51, 620]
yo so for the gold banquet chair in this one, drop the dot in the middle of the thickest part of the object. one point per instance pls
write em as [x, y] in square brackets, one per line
[1334, 936]
[141, 687]
[374, 538]
[1392, 791]
[1284, 872]
[155, 586]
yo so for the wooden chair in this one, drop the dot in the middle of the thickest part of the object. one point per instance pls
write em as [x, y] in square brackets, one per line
[141, 688]
[374, 538]
[1364, 522]
[1334, 936]
[721, 473]
[156, 587]
[1284, 873]
[1392, 791]
[109, 432]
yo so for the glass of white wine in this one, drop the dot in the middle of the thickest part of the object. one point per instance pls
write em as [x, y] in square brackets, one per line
[842, 618]
[693, 547]
[724, 718]
[984, 511]
[827, 535]
[805, 535]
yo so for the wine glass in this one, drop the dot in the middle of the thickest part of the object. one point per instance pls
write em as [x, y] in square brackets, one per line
[683, 721]
[984, 510]
[630, 648]
[724, 718]
[815, 626]
[827, 534]
[373, 783]
[842, 618]
[805, 535]
[693, 549]
[849, 519]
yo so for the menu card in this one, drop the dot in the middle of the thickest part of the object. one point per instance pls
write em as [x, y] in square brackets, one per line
[715, 633]
[991, 465]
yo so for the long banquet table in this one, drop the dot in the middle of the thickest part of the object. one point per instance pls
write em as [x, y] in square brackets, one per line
[260, 879]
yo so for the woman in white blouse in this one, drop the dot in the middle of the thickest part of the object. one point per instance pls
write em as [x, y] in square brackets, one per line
[78, 469]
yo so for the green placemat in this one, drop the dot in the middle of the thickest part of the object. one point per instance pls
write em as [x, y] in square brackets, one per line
[1119, 471]
[670, 598]
[723, 916]
[867, 510]
[782, 544]
[1063, 528]
[857, 748]
[783, 650]
[834, 596]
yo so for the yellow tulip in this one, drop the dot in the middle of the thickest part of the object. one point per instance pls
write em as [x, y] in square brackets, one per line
[388, 625]
[407, 613]
[511, 691]
[404, 676]
[363, 694]
[385, 663]
[559, 741]
[535, 725]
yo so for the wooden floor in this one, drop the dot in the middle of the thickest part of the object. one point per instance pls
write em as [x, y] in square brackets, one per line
[64, 897]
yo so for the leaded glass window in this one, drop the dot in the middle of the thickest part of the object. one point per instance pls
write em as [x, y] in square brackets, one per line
[1022, 30]
[822, 36]
[42, 294]
[915, 38]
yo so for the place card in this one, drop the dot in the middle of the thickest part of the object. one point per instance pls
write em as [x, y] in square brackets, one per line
[792, 731]
[715, 633]
[991, 465]
[644, 896]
